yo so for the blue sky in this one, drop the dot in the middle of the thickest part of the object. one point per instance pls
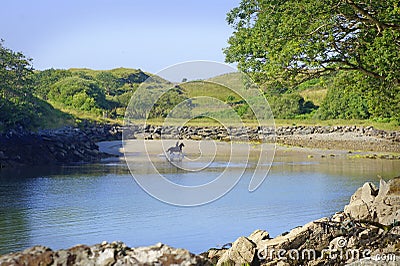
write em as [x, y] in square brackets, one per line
[105, 34]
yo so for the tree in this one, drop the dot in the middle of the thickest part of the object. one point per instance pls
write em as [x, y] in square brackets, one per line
[78, 93]
[346, 98]
[43, 80]
[15, 73]
[107, 81]
[292, 41]
[19, 108]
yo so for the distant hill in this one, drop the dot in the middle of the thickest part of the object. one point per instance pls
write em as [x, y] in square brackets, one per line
[33, 99]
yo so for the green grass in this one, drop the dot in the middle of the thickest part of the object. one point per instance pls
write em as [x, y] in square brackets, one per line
[78, 115]
[234, 81]
[279, 122]
[315, 96]
[53, 117]
[213, 90]
[336, 122]
[117, 71]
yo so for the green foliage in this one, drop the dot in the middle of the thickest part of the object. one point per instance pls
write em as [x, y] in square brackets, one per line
[15, 73]
[344, 100]
[230, 99]
[289, 105]
[19, 108]
[108, 82]
[95, 92]
[209, 89]
[383, 100]
[357, 96]
[45, 79]
[348, 48]
[79, 93]
[242, 109]
[173, 100]
[292, 41]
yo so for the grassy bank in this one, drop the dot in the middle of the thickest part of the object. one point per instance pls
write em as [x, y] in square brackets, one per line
[338, 122]
[285, 122]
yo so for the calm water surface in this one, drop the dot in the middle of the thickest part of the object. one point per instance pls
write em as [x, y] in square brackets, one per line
[64, 206]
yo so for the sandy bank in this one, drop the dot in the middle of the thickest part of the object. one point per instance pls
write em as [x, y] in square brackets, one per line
[322, 148]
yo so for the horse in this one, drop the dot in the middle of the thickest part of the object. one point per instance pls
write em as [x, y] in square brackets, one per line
[177, 149]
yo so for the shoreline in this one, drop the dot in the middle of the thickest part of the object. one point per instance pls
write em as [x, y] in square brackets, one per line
[115, 148]
[72, 145]
[354, 138]
[366, 231]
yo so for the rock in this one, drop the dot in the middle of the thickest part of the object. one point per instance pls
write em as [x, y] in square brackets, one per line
[338, 243]
[358, 209]
[298, 236]
[368, 192]
[161, 254]
[242, 252]
[215, 254]
[106, 257]
[338, 217]
[61, 146]
[116, 253]
[258, 236]
[369, 203]
[364, 234]
[352, 242]
[37, 255]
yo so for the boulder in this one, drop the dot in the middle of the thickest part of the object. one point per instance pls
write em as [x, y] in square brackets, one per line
[358, 209]
[104, 254]
[215, 254]
[258, 236]
[298, 237]
[382, 206]
[106, 257]
[368, 192]
[242, 252]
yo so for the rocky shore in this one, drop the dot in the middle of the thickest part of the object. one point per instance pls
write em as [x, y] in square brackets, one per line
[61, 146]
[71, 145]
[104, 254]
[366, 232]
[325, 137]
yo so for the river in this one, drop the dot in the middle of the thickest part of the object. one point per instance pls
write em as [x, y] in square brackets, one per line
[60, 207]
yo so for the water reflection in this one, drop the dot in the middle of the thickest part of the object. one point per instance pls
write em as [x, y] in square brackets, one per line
[64, 206]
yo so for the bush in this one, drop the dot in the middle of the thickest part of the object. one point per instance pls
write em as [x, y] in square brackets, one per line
[344, 100]
[355, 96]
[78, 93]
[289, 105]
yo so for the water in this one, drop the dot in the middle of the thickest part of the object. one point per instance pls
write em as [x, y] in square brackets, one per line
[85, 204]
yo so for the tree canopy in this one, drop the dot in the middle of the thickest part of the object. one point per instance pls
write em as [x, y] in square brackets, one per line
[292, 41]
[15, 72]
[19, 108]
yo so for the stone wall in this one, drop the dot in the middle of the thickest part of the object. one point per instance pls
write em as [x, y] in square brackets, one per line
[253, 133]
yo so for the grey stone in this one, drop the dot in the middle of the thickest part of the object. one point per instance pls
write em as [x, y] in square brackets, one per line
[242, 252]
[106, 257]
[258, 236]
[368, 192]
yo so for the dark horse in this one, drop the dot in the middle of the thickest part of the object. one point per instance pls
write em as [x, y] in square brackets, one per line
[177, 149]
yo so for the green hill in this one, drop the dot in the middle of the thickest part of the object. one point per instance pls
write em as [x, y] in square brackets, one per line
[34, 99]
